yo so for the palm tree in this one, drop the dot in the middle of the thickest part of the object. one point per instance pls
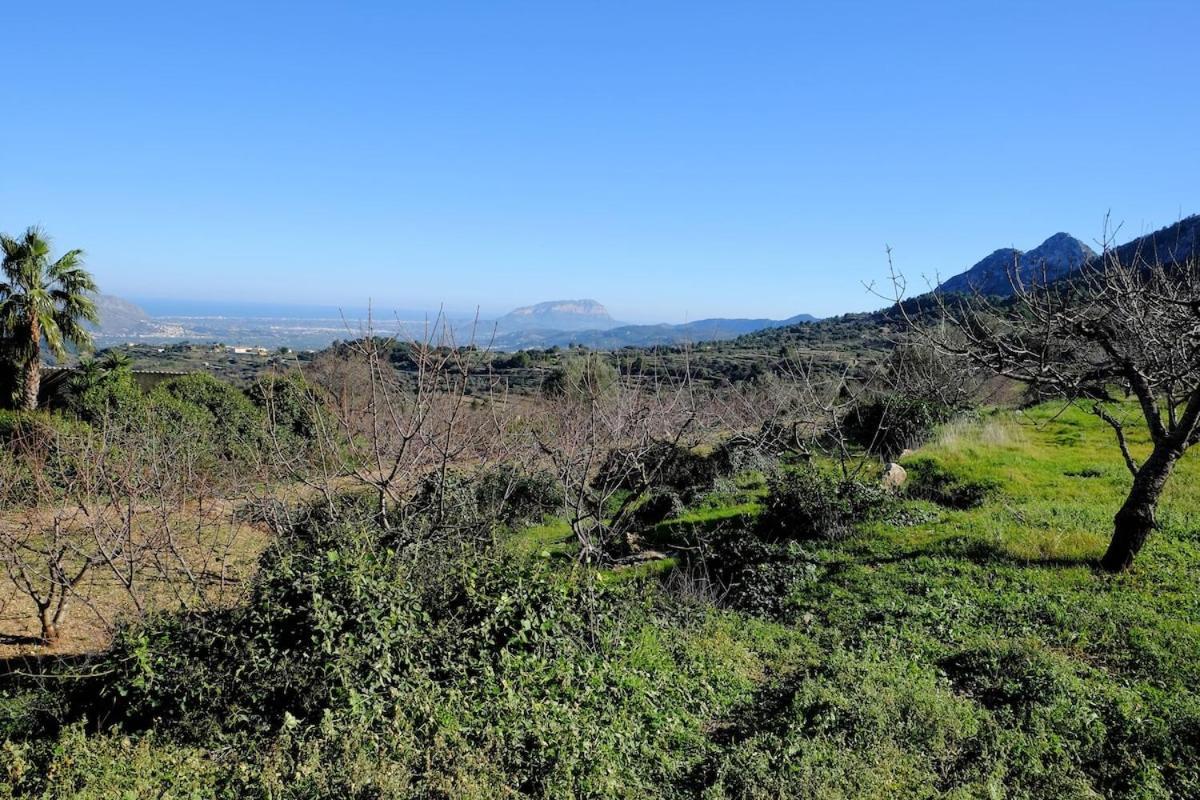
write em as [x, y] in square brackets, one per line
[42, 301]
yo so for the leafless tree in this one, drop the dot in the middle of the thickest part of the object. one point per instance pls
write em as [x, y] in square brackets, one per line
[118, 517]
[607, 438]
[1131, 324]
[402, 413]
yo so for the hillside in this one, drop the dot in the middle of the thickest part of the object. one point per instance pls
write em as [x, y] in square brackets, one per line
[1172, 244]
[706, 330]
[121, 320]
[973, 649]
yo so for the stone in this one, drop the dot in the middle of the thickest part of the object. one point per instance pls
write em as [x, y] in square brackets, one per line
[894, 476]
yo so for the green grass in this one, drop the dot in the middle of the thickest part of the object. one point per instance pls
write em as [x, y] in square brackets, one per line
[969, 653]
[984, 644]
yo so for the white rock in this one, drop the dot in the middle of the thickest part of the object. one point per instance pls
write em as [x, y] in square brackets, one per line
[894, 476]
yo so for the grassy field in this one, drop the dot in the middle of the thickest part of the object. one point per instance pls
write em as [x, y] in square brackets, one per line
[938, 644]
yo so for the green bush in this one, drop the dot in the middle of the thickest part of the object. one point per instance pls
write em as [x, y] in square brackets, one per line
[929, 480]
[99, 394]
[37, 456]
[516, 496]
[807, 504]
[291, 406]
[658, 505]
[889, 425]
[502, 495]
[358, 668]
[667, 466]
[582, 376]
[214, 410]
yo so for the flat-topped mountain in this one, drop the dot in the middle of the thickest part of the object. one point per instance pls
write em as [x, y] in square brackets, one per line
[1059, 255]
[559, 315]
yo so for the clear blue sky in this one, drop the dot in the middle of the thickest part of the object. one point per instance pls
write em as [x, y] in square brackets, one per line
[671, 160]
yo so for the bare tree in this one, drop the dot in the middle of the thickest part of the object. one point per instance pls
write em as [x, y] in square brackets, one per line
[401, 414]
[607, 439]
[1131, 324]
[117, 517]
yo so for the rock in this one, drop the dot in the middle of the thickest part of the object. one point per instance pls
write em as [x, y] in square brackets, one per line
[894, 476]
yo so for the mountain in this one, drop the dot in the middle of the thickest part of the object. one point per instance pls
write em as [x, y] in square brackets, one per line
[122, 319]
[1173, 244]
[559, 315]
[705, 330]
[119, 316]
[1059, 255]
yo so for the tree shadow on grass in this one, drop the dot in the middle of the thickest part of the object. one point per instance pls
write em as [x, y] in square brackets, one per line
[979, 553]
[689, 533]
[984, 553]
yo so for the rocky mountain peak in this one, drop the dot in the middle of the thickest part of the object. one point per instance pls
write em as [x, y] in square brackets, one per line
[1059, 255]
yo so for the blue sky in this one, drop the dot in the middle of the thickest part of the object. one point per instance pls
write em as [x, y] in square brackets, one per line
[672, 160]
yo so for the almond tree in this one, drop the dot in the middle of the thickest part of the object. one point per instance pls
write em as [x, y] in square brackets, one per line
[1129, 324]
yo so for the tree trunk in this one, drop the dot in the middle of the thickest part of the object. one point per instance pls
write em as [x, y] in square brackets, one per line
[32, 385]
[49, 632]
[49, 623]
[32, 379]
[1135, 520]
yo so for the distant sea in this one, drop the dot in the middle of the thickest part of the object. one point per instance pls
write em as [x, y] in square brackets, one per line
[259, 310]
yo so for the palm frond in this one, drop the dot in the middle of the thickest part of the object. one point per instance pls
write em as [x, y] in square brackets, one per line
[53, 335]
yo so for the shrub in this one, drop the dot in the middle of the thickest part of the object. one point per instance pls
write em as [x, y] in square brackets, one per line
[98, 394]
[289, 404]
[35, 455]
[502, 495]
[521, 359]
[929, 480]
[215, 409]
[514, 496]
[684, 472]
[659, 505]
[807, 503]
[756, 575]
[887, 426]
[437, 659]
[588, 375]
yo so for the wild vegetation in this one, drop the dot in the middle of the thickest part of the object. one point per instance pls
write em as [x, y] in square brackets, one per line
[386, 572]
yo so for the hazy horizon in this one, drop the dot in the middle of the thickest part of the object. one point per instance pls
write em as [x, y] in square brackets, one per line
[201, 307]
[674, 161]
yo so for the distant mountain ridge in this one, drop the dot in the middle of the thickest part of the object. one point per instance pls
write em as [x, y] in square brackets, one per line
[554, 323]
[1059, 255]
[663, 334]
